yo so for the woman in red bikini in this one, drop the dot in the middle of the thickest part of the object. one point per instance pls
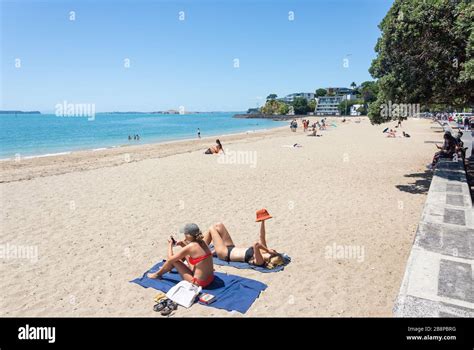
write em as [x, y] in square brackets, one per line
[201, 268]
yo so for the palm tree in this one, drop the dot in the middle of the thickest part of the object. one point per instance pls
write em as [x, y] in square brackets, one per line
[353, 85]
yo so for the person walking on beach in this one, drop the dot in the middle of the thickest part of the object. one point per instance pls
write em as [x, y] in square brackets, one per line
[199, 133]
[293, 125]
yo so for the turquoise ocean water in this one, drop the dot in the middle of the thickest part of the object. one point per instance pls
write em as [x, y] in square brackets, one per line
[40, 134]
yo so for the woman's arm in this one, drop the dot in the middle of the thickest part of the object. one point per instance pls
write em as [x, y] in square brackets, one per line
[263, 240]
[266, 249]
[172, 258]
[258, 258]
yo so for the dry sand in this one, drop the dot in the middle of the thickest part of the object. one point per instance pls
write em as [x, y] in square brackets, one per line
[100, 219]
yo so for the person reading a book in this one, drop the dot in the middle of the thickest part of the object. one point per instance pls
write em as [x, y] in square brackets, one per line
[258, 254]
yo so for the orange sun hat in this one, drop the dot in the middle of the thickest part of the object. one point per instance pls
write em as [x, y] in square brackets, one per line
[262, 215]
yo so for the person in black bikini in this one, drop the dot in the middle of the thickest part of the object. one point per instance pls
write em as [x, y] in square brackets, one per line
[258, 254]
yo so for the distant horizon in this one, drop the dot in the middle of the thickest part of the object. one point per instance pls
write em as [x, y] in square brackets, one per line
[169, 109]
[116, 112]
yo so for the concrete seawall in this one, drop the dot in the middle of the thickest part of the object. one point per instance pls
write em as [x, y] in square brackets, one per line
[438, 280]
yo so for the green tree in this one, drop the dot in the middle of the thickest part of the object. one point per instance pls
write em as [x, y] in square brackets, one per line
[275, 107]
[300, 105]
[425, 55]
[321, 92]
[272, 97]
[311, 105]
[368, 91]
[283, 108]
[353, 85]
[362, 110]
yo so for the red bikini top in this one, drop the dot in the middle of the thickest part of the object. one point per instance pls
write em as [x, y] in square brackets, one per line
[195, 261]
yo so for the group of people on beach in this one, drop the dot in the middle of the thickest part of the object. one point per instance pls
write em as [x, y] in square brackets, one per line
[451, 146]
[393, 133]
[321, 125]
[194, 261]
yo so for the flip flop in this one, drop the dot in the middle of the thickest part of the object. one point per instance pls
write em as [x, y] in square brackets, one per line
[172, 304]
[169, 308]
[160, 296]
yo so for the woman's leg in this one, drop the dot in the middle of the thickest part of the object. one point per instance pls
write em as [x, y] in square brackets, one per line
[184, 271]
[221, 240]
[225, 235]
[207, 237]
[435, 158]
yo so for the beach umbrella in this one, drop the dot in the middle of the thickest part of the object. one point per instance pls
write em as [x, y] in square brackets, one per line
[385, 130]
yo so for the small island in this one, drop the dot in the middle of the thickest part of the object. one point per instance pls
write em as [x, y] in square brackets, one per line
[20, 112]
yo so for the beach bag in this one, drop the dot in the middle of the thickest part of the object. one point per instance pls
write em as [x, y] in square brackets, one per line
[184, 293]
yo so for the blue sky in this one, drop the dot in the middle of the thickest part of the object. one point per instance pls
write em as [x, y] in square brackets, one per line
[176, 63]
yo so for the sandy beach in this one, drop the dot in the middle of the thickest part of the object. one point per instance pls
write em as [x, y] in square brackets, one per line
[100, 219]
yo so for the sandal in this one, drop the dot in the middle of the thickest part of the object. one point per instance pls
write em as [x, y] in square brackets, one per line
[160, 305]
[169, 308]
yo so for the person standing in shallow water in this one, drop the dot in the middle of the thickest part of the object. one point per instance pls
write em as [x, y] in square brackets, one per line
[199, 133]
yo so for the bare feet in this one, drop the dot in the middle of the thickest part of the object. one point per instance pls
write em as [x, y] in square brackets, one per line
[154, 275]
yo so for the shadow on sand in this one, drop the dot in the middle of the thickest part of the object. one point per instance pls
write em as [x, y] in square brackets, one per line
[421, 183]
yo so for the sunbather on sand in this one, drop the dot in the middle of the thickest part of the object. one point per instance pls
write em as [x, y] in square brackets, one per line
[258, 254]
[215, 149]
[392, 133]
[314, 132]
[196, 252]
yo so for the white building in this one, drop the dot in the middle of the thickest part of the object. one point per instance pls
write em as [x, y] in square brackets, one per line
[308, 96]
[329, 105]
[354, 109]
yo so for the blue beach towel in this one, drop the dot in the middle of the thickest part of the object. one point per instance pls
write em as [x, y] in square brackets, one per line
[244, 265]
[231, 292]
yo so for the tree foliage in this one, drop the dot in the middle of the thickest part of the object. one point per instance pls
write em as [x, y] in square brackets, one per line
[425, 55]
[321, 92]
[300, 105]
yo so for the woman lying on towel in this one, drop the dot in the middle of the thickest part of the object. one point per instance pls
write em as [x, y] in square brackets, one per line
[215, 149]
[258, 254]
[196, 252]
